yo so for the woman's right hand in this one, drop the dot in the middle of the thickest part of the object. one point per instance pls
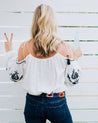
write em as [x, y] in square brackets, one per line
[77, 53]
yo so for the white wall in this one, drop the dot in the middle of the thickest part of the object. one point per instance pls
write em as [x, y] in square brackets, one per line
[72, 15]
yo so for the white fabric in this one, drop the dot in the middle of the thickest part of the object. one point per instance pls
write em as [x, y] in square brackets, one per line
[39, 75]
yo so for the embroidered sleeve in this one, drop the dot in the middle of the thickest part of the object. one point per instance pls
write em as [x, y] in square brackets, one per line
[72, 72]
[15, 69]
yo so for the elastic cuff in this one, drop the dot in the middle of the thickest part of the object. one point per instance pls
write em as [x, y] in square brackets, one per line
[11, 53]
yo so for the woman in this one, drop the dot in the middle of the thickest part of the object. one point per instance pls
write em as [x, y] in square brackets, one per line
[40, 66]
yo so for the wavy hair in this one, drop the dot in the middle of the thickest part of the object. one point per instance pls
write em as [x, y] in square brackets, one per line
[44, 31]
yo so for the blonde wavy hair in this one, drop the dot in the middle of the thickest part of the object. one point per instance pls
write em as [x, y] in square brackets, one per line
[44, 31]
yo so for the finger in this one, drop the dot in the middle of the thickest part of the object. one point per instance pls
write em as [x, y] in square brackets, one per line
[11, 37]
[6, 36]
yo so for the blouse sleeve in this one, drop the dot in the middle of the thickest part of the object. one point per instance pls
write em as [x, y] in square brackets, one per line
[14, 68]
[72, 72]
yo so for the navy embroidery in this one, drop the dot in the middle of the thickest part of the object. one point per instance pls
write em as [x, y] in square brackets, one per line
[73, 77]
[20, 61]
[74, 74]
[15, 76]
[68, 61]
[72, 81]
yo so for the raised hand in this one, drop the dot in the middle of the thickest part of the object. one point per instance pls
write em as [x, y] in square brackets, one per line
[77, 53]
[8, 44]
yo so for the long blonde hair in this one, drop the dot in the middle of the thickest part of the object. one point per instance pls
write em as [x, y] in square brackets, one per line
[44, 31]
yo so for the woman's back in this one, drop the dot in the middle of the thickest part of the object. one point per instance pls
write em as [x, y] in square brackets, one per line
[44, 74]
[27, 48]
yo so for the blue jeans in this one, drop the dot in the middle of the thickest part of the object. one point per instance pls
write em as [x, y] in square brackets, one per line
[38, 109]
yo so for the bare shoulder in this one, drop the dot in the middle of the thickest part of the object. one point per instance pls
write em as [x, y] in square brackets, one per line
[65, 49]
[21, 55]
[23, 50]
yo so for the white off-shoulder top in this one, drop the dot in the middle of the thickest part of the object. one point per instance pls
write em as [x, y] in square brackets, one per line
[47, 75]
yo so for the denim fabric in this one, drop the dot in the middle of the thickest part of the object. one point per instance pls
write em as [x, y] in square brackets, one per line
[38, 109]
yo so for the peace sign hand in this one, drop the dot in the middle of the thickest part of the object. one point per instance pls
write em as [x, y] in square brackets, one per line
[8, 44]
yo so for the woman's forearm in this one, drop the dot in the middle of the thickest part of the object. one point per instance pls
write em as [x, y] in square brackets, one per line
[77, 53]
